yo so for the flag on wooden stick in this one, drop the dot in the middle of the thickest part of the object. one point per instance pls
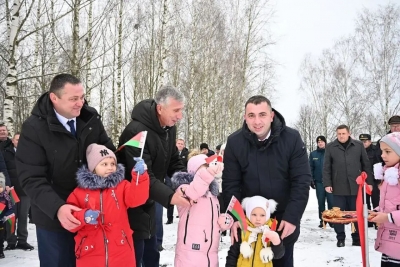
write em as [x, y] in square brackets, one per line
[237, 212]
[136, 141]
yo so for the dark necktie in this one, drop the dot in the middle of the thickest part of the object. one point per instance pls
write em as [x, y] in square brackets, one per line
[72, 127]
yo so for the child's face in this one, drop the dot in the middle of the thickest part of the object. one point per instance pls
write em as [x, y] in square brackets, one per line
[258, 217]
[1, 189]
[105, 167]
[389, 156]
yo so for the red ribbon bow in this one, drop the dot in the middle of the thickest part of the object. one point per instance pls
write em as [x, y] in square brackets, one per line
[359, 208]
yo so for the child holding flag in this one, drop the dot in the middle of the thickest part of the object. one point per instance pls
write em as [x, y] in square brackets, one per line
[388, 216]
[104, 237]
[259, 243]
[200, 225]
[6, 212]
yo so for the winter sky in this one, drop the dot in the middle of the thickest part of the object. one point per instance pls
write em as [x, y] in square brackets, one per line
[308, 26]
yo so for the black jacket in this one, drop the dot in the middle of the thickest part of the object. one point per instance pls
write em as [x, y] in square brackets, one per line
[48, 157]
[3, 169]
[343, 166]
[162, 158]
[184, 156]
[277, 169]
[9, 158]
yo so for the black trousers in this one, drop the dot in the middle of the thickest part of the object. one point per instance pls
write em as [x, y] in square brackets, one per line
[345, 203]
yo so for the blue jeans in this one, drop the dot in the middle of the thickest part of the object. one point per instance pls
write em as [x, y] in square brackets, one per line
[159, 223]
[323, 196]
[146, 252]
[56, 249]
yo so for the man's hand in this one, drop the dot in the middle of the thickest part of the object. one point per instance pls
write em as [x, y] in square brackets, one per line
[180, 200]
[329, 189]
[287, 227]
[67, 220]
[8, 189]
[234, 232]
[312, 185]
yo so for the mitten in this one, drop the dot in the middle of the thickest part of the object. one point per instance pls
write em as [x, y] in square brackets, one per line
[225, 221]
[215, 168]
[391, 176]
[266, 255]
[272, 236]
[140, 166]
[91, 216]
[378, 171]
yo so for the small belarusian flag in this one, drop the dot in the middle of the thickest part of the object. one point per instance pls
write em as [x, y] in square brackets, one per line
[272, 227]
[2, 207]
[136, 141]
[11, 223]
[237, 212]
[14, 197]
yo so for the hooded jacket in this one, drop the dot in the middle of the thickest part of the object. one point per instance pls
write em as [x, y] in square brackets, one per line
[108, 243]
[276, 169]
[388, 238]
[48, 157]
[236, 259]
[161, 157]
[198, 229]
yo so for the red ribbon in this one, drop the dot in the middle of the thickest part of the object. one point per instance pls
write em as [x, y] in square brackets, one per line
[359, 209]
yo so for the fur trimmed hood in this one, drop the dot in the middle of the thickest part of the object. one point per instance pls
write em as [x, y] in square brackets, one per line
[180, 178]
[89, 180]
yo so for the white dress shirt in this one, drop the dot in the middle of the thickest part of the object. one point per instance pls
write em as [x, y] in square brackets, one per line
[64, 121]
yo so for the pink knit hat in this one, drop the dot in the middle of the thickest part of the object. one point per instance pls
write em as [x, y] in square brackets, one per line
[195, 162]
[96, 153]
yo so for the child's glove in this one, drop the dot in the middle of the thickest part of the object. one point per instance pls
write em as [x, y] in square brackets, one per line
[378, 171]
[391, 176]
[5, 218]
[215, 168]
[272, 236]
[91, 216]
[140, 166]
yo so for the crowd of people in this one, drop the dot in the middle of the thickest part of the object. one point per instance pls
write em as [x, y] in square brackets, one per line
[94, 205]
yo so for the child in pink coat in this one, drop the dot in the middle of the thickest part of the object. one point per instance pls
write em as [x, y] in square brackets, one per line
[200, 225]
[388, 216]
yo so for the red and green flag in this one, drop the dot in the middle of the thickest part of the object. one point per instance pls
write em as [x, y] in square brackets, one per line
[11, 224]
[2, 207]
[14, 197]
[237, 212]
[136, 141]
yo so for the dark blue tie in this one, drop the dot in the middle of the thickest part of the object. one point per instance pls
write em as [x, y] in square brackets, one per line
[72, 127]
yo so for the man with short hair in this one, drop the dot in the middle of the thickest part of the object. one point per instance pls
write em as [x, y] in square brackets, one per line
[18, 239]
[5, 141]
[218, 149]
[183, 151]
[316, 159]
[267, 158]
[394, 126]
[345, 159]
[205, 150]
[51, 148]
[372, 156]
[158, 117]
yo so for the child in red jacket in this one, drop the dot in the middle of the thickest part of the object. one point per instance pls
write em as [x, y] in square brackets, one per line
[104, 237]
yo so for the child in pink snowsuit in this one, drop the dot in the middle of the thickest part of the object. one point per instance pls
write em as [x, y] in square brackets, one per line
[388, 216]
[200, 225]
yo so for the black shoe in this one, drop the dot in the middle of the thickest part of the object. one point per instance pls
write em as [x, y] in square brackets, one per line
[331, 225]
[24, 246]
[169, 222]
[321, 224]
[356, 243]
[2, 255]
[160, 248]
[340, 243]
[11, 246]
[370, 224]
[177, 216]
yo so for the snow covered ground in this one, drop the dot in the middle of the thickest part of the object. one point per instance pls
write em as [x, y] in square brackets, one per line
[316, 247]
